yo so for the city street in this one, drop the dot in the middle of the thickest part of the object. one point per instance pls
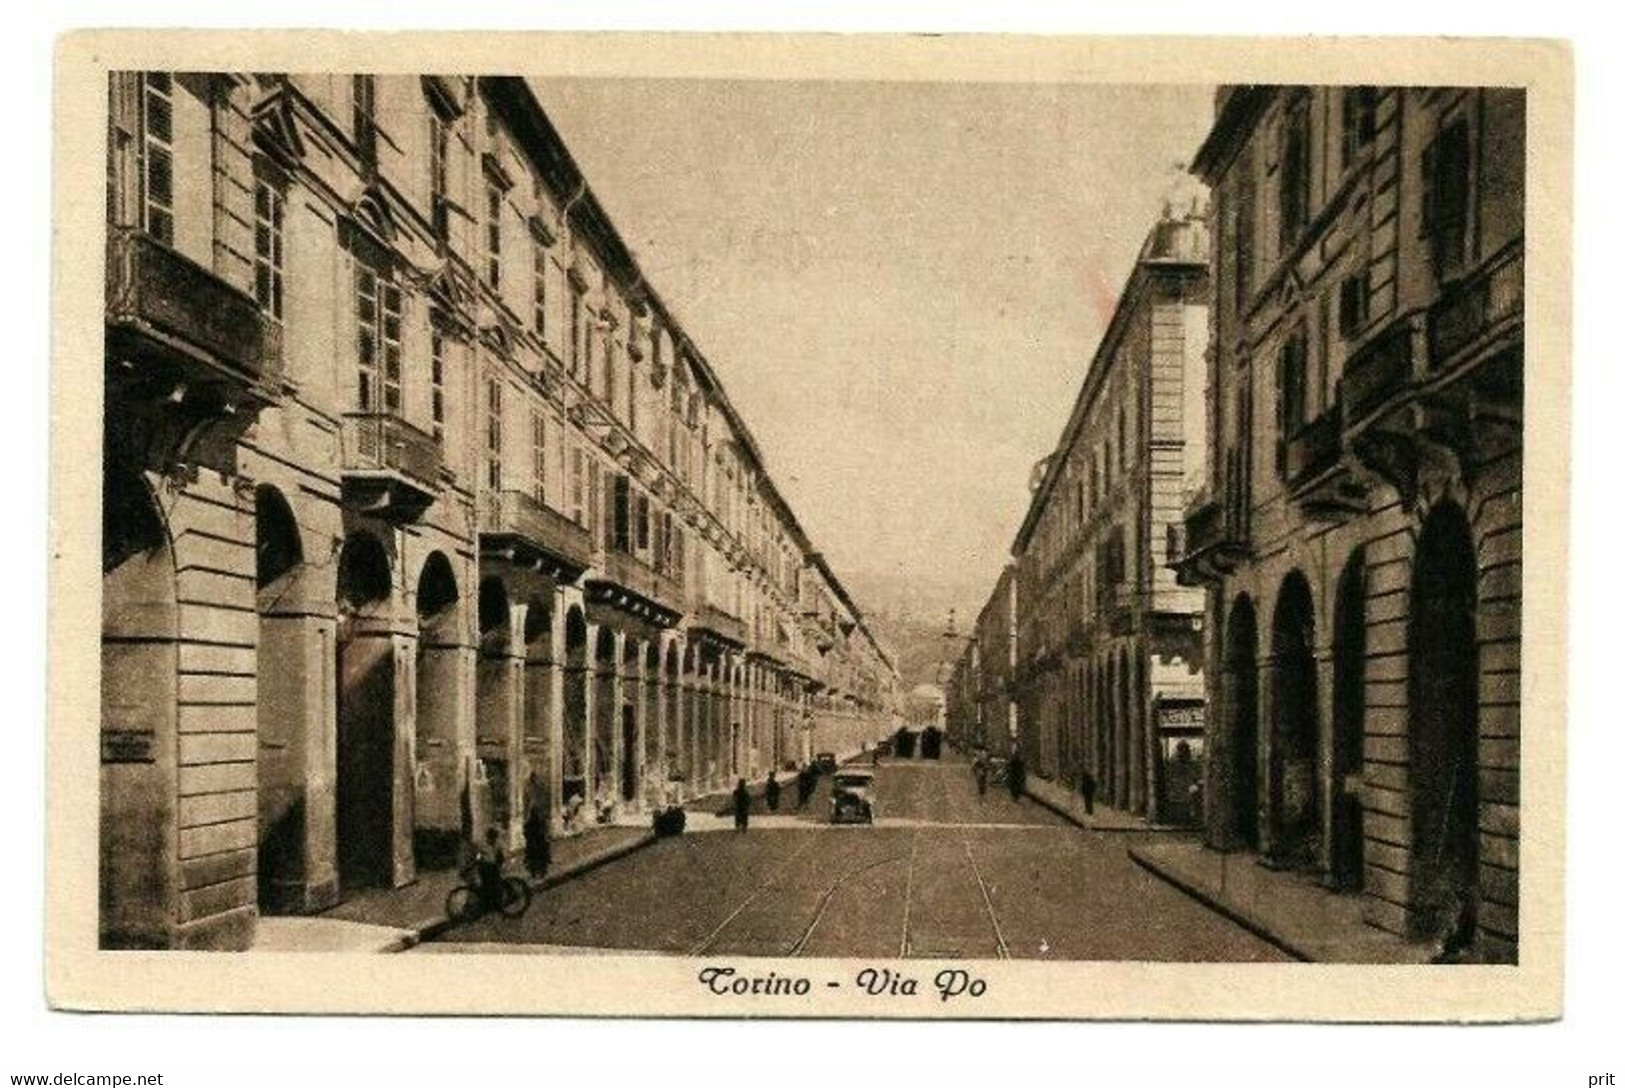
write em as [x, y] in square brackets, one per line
[943, 873]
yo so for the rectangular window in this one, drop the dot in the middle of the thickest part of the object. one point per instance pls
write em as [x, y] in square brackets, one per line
[621, 526]
[493, 236]
[1359, 121]
[538, 455]
[1294, 180]
[1293, 384]
[158, 154]
[364, 116]
[1246, 228]
[493, 434]
[437, 385]
[596, 522]
[378, 342]
[439, 175]
[1446, 168]
[576, 332]
[538, 287]
[268, 211]
[609, 369]
[578, 486]
[642, 519]
[1354, 304]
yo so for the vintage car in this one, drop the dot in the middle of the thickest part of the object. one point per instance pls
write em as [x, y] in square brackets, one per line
[852, 797]
[825, 762]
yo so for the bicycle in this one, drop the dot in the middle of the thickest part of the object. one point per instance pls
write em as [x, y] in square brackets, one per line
[467, 901]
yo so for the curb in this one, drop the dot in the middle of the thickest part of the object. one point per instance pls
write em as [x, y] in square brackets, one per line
[1213, 902]
[1140, 827]
[434, 927]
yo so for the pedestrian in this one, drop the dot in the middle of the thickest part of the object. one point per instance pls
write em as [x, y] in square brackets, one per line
[1016, 775]
[772, 792]
[741, 806]
[979, 766]
[538, 852]
[1086, 782]
[804, 785]
[488, 864]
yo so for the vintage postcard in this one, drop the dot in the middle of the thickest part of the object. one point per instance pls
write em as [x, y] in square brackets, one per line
[774, 526]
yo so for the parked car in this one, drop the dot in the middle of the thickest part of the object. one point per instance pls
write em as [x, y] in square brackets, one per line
[825, 762]
[852, 797]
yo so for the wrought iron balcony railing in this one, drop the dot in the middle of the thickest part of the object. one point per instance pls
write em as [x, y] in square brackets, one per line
[167, 305]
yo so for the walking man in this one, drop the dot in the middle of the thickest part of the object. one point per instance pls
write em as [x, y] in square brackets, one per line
[1016, 773]
[772, 792]
[741, 806]
[1086, 782]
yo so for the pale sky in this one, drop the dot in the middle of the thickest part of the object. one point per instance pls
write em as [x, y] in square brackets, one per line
[900, 285]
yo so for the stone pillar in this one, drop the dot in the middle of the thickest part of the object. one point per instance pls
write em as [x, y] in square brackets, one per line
[1328, 787]
[1269, 761]
[589, 711]
[555, 717]
[617, 702]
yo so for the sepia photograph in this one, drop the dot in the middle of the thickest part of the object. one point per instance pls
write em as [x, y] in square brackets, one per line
[820, 535]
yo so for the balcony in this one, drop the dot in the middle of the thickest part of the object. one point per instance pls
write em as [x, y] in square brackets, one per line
[390, 468]
[516, 526]
[720, 626]
[1377, 374]
[1208, 546]
[627, 583]
[1317, 476]
[174, 323]
[1475, 322]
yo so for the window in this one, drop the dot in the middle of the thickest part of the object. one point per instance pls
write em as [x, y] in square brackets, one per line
[378, 342]
[1445, 166]
[493, 434]
[575, 331]
[268, 208]
[439, 174]
[437, 385]
[493, 236]
[364, 116]
[1245, 228]
[538, 287]
[609, 368]
[1359, 121]
[1292, 389]
[158, 151]
[1354, 303]
[641, 518]
[1294, 192]
[578, 485]
[538, 455]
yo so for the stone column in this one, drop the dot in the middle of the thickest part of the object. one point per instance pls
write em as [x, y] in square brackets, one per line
[1325, 749]
[617, 703]
[589, 711]
[555, 717]
[1269, 761]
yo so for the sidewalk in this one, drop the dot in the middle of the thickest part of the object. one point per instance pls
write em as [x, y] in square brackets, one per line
[1068, 803]
[1290, 910]
[395, 919]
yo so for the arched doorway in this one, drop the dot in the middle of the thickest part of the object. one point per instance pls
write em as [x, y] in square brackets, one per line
[1443, 690]
[1240, 705]
[442, 816]
[496, 693]
[280, 703]
[365, 759]
[140, 624]
[1348, 726]
[1294, 727]
[576, 678]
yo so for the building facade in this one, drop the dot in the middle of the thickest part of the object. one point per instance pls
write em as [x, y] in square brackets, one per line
[420, 508]
[1108, 672]
[1359, 530]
